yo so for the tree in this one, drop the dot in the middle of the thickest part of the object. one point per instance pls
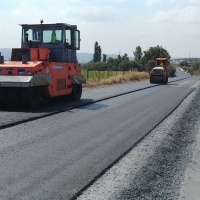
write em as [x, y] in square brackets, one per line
[95, 56]
[138, 53]
[100, 66]
[150, 65]
[97, 52]
[119, 58]
[125, 57]
[172, 71]
[153, 53]
[110, 63]
[183, 63]
[104, 57]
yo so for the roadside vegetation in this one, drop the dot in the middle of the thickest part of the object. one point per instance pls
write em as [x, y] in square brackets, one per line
[107, 71]
[191, 68]
[118, 79]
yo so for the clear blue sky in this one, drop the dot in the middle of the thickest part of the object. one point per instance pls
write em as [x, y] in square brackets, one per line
[117, 25]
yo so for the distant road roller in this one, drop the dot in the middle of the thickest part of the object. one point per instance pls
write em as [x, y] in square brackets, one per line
[160, 73]
[45, 66]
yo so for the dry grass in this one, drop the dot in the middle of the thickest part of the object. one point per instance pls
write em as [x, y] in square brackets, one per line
[119, 79]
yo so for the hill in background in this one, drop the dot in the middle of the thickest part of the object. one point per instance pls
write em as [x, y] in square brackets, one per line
[82, 57]
[6, 52]
[86, 57]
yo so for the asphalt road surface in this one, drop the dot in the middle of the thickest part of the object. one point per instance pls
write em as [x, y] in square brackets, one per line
[13, 116]
[57, 155]
[164, 165]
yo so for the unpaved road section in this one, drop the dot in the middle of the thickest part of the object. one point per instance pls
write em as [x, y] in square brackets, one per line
[165, 165]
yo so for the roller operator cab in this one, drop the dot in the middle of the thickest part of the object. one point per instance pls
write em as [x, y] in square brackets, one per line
[160, 74]
[45, 66]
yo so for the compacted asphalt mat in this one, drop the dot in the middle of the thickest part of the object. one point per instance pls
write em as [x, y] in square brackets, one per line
[164, 165]
[60, 149]
[13, 116]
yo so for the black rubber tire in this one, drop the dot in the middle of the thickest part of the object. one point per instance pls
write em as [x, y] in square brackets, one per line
[3, 97]
[34, 97]
[24, 97]
[163, 81]
[13, 97]
[76, 92]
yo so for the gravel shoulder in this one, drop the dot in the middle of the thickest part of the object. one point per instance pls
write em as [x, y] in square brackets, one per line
[191, 183]
[165, 165]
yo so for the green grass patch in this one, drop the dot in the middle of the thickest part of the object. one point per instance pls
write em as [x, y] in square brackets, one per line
[101, 75]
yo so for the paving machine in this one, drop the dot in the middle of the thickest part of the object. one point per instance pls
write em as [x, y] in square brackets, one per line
[45, 66]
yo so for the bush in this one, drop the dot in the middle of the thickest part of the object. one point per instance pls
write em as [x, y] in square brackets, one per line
[183, 63]
[195, 69]
[172, 71]
[100, 66]
[150, 65]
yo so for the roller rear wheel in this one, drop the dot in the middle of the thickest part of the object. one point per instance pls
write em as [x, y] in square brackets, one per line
[31, 97]
[3, 97]
[76, 92]
[34, 97]
[24, 97]
[13, 97]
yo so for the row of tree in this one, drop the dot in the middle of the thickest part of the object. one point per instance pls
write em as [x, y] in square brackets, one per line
[143, 60]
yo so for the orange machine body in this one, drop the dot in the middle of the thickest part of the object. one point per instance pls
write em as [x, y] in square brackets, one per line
[45, 66]
[60, 73]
